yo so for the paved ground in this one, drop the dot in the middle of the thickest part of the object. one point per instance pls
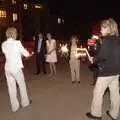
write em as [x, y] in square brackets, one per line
[57, 99]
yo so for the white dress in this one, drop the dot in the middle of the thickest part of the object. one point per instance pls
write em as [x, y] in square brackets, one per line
[52, 57]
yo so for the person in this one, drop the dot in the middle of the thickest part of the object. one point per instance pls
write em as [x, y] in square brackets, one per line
[40, 51]
[74, 61]
[94, 45]
[51, 56]
[108, 59]
[13, 51]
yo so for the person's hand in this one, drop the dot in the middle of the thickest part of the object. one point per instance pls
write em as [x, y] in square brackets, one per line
[49, 53]
[32, 53]
[91, 59]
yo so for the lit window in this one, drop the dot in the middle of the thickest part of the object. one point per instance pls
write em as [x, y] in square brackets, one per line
[38, 6]
[15, 17]
[63, 21]
[13, 1]
[25, 6]
[2, 13]
[59, 20]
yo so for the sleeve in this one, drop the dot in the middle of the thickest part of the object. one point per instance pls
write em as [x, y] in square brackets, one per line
[102, 54]
[23, 51]
[3, 49]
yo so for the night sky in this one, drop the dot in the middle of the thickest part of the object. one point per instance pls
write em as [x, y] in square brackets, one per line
[85, 10]
[80, 14]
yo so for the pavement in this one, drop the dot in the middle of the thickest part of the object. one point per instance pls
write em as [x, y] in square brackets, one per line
[52, 99]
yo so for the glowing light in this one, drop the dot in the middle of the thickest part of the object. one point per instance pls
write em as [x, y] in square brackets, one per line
[59, 20]
[64, 48]
[15, 17]
[95, 37]
[82, 52]
[13, 1]
[2, 13]
[38, 6]
[25, 6]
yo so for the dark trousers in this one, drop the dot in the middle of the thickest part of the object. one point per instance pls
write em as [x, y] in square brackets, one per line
[40, 64]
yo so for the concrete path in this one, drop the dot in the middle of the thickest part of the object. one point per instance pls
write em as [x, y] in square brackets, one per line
[53, 99]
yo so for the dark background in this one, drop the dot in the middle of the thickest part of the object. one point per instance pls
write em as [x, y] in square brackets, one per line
[80, 15]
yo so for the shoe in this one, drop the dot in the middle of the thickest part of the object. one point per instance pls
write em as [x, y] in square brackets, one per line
[108, 113]
[73, 81]
[30, 102]
[37, 73]
[78, 81]
[89, 115]
[45, 73]
[15, 109]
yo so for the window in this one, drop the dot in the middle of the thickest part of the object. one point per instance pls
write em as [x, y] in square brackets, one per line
[25, 6]
[38, 6]
[59, 20]
[13, 1]
[2, 14]
[15, 17]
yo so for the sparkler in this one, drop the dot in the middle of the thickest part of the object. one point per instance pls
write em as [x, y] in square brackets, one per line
[82, 52]
[64, 49]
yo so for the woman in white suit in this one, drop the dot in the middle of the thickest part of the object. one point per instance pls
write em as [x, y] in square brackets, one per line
[13, 51]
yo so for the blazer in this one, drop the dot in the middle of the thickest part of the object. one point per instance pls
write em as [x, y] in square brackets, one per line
[43, 47]
[13, 51]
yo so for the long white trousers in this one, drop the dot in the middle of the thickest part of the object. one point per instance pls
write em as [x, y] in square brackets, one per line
[75, 69]
[12, 78]
[111, 82]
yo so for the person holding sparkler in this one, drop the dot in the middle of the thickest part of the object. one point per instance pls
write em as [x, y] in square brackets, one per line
[14, 51]
[108, 59]
[74, 61]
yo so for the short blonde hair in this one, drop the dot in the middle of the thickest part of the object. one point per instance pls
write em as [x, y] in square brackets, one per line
[111, 25]
[11, 32]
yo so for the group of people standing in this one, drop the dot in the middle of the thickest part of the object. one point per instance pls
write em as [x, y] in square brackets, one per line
[108, 59]
[45, 51]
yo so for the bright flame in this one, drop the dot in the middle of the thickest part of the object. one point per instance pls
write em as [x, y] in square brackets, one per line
[80, 52]
[95, 37]
[64, 48]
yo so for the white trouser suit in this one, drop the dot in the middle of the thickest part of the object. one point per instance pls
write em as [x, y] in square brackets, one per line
[13, 50]
[112, 82]
[12, 79]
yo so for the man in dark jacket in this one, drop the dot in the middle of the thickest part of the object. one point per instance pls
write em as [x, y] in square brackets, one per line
[40, 51]
[108, 60]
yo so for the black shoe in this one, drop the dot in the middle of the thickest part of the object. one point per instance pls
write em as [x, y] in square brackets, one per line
[30, 102]
[108, 113]
[37, 73]
[89, 115]
[78, 81]
[73, 81]
[45, 72]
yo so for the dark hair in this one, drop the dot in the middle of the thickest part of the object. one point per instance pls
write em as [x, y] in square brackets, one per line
[77, 40]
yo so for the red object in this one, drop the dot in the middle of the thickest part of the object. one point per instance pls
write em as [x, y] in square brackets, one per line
[29, 45]
[91, 42]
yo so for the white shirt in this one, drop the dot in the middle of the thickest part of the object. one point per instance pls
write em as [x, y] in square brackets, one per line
[39, 44]
[13, 50]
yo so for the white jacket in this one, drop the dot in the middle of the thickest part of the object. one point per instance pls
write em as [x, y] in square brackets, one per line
[13, 50]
